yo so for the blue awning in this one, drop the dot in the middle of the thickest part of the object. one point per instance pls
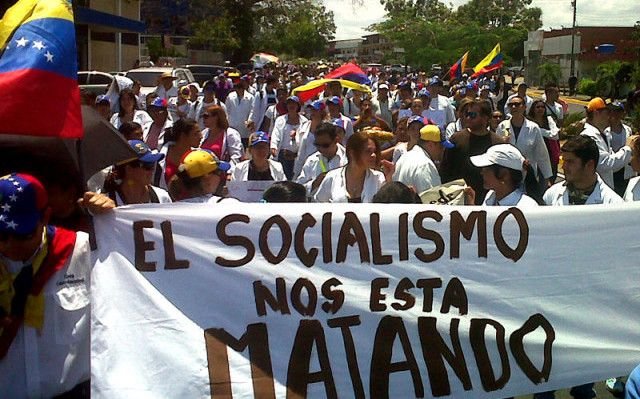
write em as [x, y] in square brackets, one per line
[106, 21]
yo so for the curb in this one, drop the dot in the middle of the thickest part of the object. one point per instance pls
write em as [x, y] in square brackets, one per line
[570, 100]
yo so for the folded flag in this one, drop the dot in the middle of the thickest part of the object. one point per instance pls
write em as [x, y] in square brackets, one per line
[39, 63]
[349, 71]
[310, 90]
[457, 69]
[491, 62]
[262, 59]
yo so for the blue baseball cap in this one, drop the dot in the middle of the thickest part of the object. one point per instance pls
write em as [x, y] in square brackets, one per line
[159, 102]
[341, 123]
[416, 118]
[144, 152]
[295, 99]
[259, 137]
[23, 200]
[318, 105]
[335, 100]
[102, 98]
[424, 93]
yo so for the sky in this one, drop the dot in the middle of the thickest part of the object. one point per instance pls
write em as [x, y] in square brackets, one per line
[351, 22]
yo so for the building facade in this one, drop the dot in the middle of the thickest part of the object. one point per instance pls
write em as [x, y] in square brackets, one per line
[108, 34]
[554, 46]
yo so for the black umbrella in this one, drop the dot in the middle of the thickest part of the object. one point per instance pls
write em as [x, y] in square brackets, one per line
[101, 146]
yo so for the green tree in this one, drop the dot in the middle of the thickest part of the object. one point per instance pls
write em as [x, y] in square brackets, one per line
[611, 76]
[549, 73]
[501, 13]
[240, 27]
[431, 32]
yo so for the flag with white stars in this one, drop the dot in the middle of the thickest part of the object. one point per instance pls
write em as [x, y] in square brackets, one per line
[22, 200]
[38, 59]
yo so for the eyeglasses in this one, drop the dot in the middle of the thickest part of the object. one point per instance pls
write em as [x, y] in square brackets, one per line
[322, 145]
[471, 115]
[515, 104]
[144, 165]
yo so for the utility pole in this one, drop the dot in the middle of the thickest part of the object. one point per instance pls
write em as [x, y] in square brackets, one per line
[573, 39]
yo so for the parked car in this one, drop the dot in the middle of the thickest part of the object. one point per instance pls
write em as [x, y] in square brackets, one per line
[95, 82]
[149, 77]
[202, 73]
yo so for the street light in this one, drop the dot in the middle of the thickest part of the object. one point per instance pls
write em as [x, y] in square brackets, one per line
[573, 39]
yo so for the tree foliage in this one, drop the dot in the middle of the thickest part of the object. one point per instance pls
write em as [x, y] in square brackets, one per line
[241, 27]
[549, 73]
[431, 32]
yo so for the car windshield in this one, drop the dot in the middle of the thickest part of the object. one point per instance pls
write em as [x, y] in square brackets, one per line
[147, 78]
[204, 69]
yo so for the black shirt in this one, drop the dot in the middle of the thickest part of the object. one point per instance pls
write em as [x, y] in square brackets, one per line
[257, 175]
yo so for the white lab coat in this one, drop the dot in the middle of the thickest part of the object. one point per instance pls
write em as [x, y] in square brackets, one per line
[632, 193]
[602, 194]
[609, 161]
[50, 361]
[530, 144]
[317, 163]
[239, 111]
[515, 198]
[281, 137]
[240, 171]
[618, 140]
[334, 189]
[232, 149]
[140, 117]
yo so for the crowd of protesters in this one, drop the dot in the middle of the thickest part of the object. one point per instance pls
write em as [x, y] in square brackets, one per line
[402, 136]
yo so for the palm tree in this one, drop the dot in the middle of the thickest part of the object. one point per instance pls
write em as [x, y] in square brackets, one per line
[549, 73]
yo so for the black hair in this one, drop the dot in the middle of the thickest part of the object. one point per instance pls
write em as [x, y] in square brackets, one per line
[285, 191]
[127, 129]
[328, 129]
[180, 128]
[483, 105]
[396, 192]
[500, 171]
[582, 147]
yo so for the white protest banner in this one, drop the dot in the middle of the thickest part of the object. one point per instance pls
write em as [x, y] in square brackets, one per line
[364, 301]
[248, 191]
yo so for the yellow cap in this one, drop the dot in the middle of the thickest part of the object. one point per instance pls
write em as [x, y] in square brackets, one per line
[430, 133]
[198, 163]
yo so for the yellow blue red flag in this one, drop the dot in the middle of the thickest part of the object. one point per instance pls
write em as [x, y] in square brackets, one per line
[491, 62]
[38, 70]
[457, 69]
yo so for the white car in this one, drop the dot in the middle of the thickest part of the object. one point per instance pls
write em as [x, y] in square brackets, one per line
[149, 77]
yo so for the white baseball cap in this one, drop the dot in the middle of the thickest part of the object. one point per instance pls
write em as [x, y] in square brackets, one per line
[501, 154]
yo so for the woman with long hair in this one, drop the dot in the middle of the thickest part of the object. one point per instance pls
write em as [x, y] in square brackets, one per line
[130, 182]
[549, 131]
[357, 181]
[129, 112]
[185, 134]
[285, 140]
[318, 115]
[219, 137]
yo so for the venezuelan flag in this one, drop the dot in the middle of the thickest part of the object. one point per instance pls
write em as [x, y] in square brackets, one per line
[491, 62]
[38, 70]
[349, 71]
[457, 69]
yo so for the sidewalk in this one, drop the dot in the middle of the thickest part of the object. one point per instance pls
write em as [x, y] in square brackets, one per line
[578, 99]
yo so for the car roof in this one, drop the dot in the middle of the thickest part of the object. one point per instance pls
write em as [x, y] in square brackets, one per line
[155, 69]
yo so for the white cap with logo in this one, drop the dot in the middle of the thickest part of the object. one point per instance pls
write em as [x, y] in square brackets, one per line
[500, 154]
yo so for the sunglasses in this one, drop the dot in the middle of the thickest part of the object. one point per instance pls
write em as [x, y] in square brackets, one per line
[143, 165]
[471, 115]
[322, 145]
[515, 104]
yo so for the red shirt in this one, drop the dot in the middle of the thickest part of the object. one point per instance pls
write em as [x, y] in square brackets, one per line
[214, 145]
[170, 169]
